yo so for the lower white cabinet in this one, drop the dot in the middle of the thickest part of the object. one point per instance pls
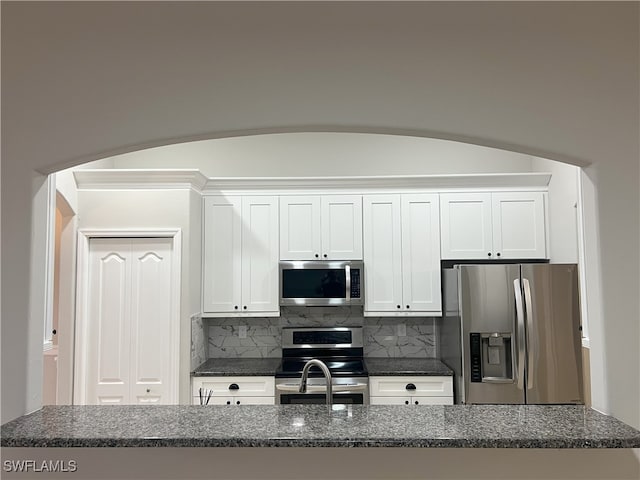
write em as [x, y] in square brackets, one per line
[411, 390]
[245, 390]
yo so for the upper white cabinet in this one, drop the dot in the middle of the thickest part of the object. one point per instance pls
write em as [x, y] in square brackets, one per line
[402, 255]
[240, 275]
[500, 225]
[327, 227]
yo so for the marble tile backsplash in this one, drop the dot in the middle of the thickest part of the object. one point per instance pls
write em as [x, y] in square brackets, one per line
[199, 352]
[263, 335]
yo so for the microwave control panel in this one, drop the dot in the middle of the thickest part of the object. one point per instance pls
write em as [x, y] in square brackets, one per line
[355, 283]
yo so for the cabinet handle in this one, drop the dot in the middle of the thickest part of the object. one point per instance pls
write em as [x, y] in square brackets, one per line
[236, 307]
[238, 402]
[228, 402]
[317, 256]
[406, 402]
[489, 254]
[234, 386]
[498, 254]
[416, 402]
[245, 307]
[325, 255]
[410, 386]
[148, 390]
[398, 306]
[408, 306]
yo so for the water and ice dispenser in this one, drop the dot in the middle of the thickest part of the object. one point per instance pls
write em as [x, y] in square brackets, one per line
[491, 357]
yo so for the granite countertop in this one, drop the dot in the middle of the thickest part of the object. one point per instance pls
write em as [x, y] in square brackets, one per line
[225, 367]
[451, 426]
[407, 366]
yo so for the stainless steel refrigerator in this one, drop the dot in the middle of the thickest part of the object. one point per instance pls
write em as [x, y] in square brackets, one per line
[512, 333]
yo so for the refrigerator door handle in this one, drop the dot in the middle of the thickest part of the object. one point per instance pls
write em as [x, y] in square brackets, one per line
[529, 315]
[517, 290]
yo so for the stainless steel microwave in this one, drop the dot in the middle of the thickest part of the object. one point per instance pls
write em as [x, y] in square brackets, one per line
[322, 283]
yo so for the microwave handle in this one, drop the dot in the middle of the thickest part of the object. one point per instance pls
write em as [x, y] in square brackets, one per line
[347, 273]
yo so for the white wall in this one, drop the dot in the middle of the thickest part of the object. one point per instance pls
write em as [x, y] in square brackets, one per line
[563, 209]
[326, 154]
[151, 209]
[555, 80]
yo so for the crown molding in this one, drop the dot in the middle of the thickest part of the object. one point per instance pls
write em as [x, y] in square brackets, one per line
[140, 179]
[152, 179]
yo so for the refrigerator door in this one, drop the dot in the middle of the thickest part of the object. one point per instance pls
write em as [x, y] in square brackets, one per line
[554, 345]
[493, 346]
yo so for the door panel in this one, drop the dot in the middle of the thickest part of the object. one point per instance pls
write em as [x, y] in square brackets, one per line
[222, 251]
[382, 253]
[150, 319]
[487, 309]
[341, 226]
[260, 254]
[300, 227]
[466, 226]
[554, 356]
[421, 253]
[518, 225]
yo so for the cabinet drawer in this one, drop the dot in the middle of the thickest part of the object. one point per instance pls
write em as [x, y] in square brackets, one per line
[222, 400]
[417, 400]
[225, 386]
[424, 386]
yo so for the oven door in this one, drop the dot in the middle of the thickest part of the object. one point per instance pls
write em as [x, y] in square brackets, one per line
[353, 390]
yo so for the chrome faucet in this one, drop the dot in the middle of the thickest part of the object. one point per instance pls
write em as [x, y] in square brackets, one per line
[326, 373]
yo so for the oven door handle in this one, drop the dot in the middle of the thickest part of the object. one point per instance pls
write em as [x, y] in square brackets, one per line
[294, 387]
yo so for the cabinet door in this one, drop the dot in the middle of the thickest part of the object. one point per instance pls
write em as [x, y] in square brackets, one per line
[260, 254]
[382, 253]
[519, 225]
[341, 226]
[466, 231]
[421, 253]
[222, 254]
[300, 228]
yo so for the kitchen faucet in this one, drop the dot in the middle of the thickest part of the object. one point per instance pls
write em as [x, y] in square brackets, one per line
[326, 373]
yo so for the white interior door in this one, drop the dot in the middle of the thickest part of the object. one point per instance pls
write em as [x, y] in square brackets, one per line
[128, 323]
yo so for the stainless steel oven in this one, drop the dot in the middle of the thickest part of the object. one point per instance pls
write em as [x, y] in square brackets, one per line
[339, 348]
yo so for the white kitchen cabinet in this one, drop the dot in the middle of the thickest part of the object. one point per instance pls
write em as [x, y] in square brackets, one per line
[327, 227]
[411, 390]
[498, 225]
[240, 246]
[402, 255]
[241, 390]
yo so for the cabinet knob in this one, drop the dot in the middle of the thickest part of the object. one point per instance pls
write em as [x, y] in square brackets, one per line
[148, 390]
[245, 307]
[497, 254]
[416, 402]
[236, 307]
[228, 402]
[398, 306]
[325, 255]
[238, 402]
[408, 306]
[410, 386]
[406, 402]
[234, 386]
[317, 256]
[489, 254]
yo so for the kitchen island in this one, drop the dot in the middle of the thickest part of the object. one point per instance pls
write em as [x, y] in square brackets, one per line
[448, 426]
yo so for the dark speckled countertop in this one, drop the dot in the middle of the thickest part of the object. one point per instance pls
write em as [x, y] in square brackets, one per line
[222, 367]
[452, 426]
[407, 366]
